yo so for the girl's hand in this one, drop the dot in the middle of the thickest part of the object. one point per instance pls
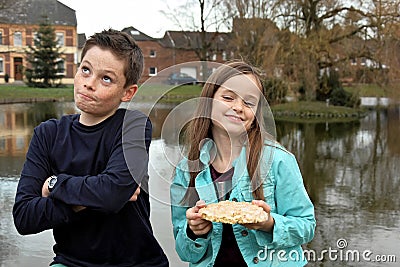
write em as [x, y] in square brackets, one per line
[267, 226]
[196, 223]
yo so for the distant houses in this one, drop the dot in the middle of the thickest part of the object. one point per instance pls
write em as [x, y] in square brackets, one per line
[177, 47]
[19, 21]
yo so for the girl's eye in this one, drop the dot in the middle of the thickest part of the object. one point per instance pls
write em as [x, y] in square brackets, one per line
[107, 79]
[227, 97]
[249, 104]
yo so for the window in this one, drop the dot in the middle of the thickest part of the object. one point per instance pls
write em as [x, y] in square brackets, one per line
[60, 66]
[152, 53]
[1, 65]
[60, 38]
[223, 55]
[1, 38]
[214, 57]
[152, 71]
[35, 39]
[363, 61]
[17, 39]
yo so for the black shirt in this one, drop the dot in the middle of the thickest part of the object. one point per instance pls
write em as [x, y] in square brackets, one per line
[91, 165]
[229, 253]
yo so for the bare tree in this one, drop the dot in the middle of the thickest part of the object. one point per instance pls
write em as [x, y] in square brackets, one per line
[315, 35]
[200, 21]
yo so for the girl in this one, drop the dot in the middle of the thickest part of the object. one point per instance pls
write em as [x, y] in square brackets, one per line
[227, 143]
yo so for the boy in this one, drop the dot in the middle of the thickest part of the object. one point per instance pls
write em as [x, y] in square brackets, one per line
[82, 172]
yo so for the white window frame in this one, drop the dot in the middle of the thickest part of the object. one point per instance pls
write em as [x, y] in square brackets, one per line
[150, 71]
[224, 55]
[1, 65]
[153, 53]
[60, 37]
[61, 61]
[18, 38]
[35, 39]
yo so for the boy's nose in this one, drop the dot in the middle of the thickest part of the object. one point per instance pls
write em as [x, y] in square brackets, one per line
[89, 84]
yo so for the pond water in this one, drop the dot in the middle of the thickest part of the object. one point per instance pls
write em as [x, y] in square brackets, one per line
[351, 171]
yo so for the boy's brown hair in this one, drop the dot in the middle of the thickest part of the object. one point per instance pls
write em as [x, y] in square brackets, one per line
[123, 46]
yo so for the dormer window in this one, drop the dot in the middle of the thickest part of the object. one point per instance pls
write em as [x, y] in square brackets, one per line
[135, 32]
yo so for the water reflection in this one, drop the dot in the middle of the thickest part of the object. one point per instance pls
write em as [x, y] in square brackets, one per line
[353, 176]
[351, 172]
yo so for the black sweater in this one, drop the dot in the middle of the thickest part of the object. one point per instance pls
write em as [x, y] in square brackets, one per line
[91, 165]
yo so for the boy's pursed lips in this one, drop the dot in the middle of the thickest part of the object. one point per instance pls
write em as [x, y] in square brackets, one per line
[85, 96]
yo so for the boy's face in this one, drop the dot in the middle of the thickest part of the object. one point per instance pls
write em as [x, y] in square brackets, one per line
[99, 84]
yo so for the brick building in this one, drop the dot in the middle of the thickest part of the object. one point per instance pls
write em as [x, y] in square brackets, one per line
[19, 19]
[177, 47]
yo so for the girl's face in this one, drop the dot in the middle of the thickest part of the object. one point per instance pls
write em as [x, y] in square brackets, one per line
[235, 104]
[99, 85]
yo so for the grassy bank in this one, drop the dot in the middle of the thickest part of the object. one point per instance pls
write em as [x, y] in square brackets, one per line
[301, 110]
[20, 93]
[367, 90]
[316, 111]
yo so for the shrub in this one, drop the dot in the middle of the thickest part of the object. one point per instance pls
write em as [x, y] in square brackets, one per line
[275, 90]
[339, 97]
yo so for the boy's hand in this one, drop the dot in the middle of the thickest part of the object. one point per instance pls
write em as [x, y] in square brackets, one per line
[45, 188]
[133, 198]
[196, 223]
[135, 195]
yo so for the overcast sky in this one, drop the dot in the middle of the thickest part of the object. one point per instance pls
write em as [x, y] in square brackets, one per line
[144, 15]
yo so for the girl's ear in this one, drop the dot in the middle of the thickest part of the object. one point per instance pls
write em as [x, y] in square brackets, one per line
[129, 93]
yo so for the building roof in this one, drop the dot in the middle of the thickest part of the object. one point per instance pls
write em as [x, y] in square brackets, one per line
[192, 40]
[138, 35]
[188, 40]
[32, 12]
[81, 40]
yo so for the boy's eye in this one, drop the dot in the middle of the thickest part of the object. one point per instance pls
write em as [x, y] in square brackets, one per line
[107, 79]
[85, 70]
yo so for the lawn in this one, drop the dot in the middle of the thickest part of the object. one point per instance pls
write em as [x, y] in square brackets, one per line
[20, 93]
[168, 93]
[366, 90]
[315, 110]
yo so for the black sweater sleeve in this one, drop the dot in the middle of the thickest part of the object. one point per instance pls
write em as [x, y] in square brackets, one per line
[97, 168]
[33, 213]
[125, 168]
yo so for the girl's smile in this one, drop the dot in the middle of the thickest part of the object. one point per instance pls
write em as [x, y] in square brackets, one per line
[235, 103]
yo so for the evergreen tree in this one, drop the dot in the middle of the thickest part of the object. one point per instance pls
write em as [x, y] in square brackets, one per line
[44, 58]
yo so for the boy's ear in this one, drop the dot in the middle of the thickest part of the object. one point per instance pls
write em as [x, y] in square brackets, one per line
[129, 93]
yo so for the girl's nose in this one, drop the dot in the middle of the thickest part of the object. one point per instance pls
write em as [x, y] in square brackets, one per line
[237, 105]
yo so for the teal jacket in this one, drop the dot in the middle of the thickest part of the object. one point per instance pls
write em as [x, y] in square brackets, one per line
[284, 191]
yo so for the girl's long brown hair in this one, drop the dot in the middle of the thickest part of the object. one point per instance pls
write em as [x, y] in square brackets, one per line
[199, 129]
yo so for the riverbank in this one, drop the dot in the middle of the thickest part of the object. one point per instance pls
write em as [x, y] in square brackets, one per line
[316, 110]
[10, 94]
